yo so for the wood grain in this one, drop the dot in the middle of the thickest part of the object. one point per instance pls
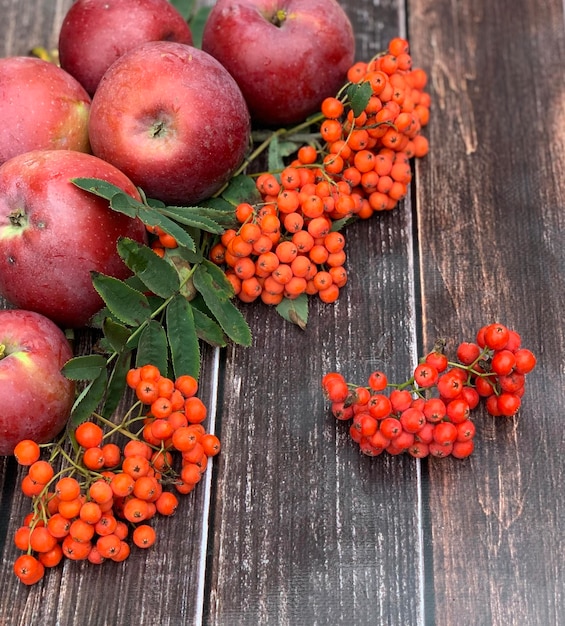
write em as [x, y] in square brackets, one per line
[293, 526]
[490, 202]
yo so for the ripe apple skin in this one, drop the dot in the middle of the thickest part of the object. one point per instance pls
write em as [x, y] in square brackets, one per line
[35, 398]
[286, 55]
[41, 107]
[172, 119]
[52, 234]
[95, 33]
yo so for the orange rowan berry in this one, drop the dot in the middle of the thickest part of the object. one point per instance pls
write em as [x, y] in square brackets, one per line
[243, 212]
[250, 288]
[30, 488]
[81, 531]
[106, 524]
[333, 163]
[358, 139]
[319, 227]
[52, 557]
[144, 536]
[123, 552]
[167, 503]
[112, 454]
[334, 241]
[330, 294]
[70, 508]
[250, 232]
[135, 510]
[67, 488]
[195, 410]
[187, 385]
[293, 222]
[264, 182]
[108, 545]
[27, 452]
[136, 466]
[271, 299]
[303, 241]
[190, 473]
[295, 286]
[339, 275]
[282, 273]
[318, 254]
[41, 540]
[421, 146]
[398, 46]
[270, 223]
[272, 286]
[217, 253]
[184, 438]
[28, 569]
[286, 251]
[100, 491]
[331, 130]
[340, 147]
[146, 391]
[136, 447]
[41, 472]
[90, 512]
[356, 72]
[149, 372]
[93, 458]
[58, 525]
[300, 265]
[122, 484]
[307, 154]
[244, 268]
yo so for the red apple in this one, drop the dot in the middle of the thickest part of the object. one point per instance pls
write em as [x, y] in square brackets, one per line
[95, 33]
[172, 119]
[41, 107]
[52, 234]
[285, 55]
[35, 398]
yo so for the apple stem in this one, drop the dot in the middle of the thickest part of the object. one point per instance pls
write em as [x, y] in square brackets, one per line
[279, 18]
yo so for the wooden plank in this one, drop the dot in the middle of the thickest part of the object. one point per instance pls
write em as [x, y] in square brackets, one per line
[164, 585]
[305, 529]
[491, 207]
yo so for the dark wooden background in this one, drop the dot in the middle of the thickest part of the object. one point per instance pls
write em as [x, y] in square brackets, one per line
[293, 526]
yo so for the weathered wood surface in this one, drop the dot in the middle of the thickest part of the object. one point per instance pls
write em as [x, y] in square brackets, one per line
[294, 526]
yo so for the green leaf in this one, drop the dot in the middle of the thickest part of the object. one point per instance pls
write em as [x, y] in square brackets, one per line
[217, 292]
[197, 22]
[359, 95]
[116, 334]
[152, 347]
[127, 304]
[157, 274]
[295, 310]
[184, 7]
[152, 217]
[98, 187]
[116, 385]
[89, 399]
[123, 203]
[183, 341]
[278, 150]
[86, 367]
[207, 329]
[191, 216]
[241, 188]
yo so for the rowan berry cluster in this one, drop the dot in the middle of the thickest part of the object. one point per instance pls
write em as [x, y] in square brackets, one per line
[430, 413]
[117, 478]
[288, 243]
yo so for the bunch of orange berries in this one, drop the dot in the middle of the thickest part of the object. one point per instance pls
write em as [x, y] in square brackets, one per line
[108, 491]
[289, 243]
